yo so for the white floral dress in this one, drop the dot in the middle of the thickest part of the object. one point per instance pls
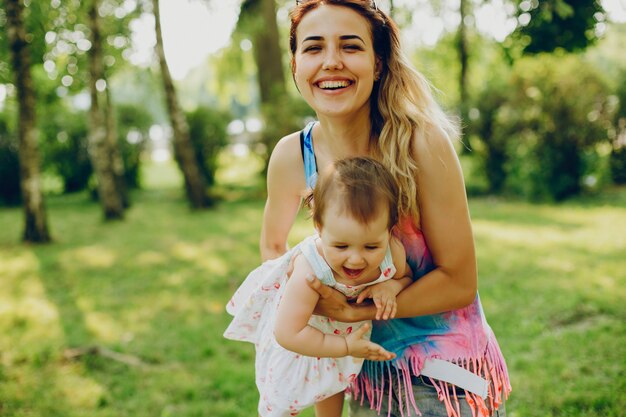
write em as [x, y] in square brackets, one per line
[289, 382]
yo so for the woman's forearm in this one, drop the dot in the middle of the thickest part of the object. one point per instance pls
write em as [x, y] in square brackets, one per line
[434, 293]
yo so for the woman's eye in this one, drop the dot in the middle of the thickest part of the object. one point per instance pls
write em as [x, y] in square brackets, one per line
[312, 48]
[353, 47]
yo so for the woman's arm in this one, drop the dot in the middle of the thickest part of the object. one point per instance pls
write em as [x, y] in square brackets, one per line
[445, 223]
[285, 183]
[293, 332]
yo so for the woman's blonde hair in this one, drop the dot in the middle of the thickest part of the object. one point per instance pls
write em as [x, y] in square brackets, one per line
[402, 105]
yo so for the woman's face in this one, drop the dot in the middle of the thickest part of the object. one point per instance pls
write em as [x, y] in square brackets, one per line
[335, 64]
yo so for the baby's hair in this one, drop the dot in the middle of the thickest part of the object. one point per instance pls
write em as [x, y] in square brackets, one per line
[361, 185]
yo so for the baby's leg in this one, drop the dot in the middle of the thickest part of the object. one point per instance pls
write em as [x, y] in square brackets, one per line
[330, 407]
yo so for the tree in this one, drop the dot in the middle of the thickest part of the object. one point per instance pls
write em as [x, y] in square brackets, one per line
[257, 19]
[462, 49]
[36, 225]
[547, 25]
[103, 150]
[195, 185]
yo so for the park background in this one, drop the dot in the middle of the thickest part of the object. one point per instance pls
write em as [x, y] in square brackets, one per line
[137, 210]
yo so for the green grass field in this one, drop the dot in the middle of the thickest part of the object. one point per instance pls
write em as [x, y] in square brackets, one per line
[150, 293]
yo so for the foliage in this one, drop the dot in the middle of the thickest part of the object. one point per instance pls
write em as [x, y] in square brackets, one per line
[65, 145]
[207, 131]
[548, 25]
[154, 288]
[537, 133]
[133, 125]
[10, 192]
[286, 114]
[65, 149]
[617, 159]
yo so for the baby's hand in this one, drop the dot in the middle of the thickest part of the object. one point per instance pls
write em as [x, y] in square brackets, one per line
[384, 296]
[362, 348]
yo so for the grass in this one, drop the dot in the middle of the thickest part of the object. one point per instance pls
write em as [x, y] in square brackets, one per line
[552, 283]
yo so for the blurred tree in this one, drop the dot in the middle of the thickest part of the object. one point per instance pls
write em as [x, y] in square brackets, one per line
[537, 134]
[547, 25]
[207, 129]
[195, 185]
[617, 158]
[10, 194]
[65, 147]
[463, 51]
[103, 146]
[134, 123]
[36, 224]
[258, 20]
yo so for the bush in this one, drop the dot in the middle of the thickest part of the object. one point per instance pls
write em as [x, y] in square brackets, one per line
[65, 148]
[10, 192]
[207, 131]
[492, 154]
[133, 126]
[539, 131]
[284, 116]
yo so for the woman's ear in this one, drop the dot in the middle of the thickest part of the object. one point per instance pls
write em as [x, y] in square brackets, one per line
[378, 69]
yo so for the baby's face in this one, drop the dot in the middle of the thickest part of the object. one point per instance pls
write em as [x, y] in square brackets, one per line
[352, 249]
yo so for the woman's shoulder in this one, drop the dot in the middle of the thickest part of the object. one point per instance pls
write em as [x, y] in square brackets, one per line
[286, 158]
[434, 150]
[287, 150]
[432, 139]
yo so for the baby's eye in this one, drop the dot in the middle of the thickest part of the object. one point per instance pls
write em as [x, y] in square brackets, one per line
[371, 247]
[341, 246]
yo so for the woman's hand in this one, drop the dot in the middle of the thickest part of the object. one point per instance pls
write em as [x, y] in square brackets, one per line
[333, 304]
[359, 347]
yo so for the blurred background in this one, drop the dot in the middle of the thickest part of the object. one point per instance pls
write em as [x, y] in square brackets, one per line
[134, 137]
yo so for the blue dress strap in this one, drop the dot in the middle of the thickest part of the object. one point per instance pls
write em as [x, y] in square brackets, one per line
[320, 268]
[308, 156]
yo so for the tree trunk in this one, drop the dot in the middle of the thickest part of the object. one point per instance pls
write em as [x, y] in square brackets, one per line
[116, 152]
[36, 225]
[463, 58]
[100, 150]
[267, 53]
[259, 21]
[195, 185]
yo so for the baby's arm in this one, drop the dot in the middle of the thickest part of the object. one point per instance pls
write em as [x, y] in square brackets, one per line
[293, 332]
[384, 294]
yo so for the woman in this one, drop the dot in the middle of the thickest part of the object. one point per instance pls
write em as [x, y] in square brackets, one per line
[348, 66]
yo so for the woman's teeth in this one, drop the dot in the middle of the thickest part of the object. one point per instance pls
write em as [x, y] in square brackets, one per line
[333, 85]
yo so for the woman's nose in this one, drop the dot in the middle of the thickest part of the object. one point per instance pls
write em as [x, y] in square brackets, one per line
[332, 61]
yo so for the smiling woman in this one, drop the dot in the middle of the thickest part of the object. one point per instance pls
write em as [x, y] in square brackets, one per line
[349, 67]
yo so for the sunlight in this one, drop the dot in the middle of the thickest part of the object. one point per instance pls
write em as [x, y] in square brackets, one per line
[88, 256]
[150, 258]
[82, 393]
[201, 256]
[104, 327]
[17, 265]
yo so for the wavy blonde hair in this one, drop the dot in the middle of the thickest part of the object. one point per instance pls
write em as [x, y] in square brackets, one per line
[402, 106]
